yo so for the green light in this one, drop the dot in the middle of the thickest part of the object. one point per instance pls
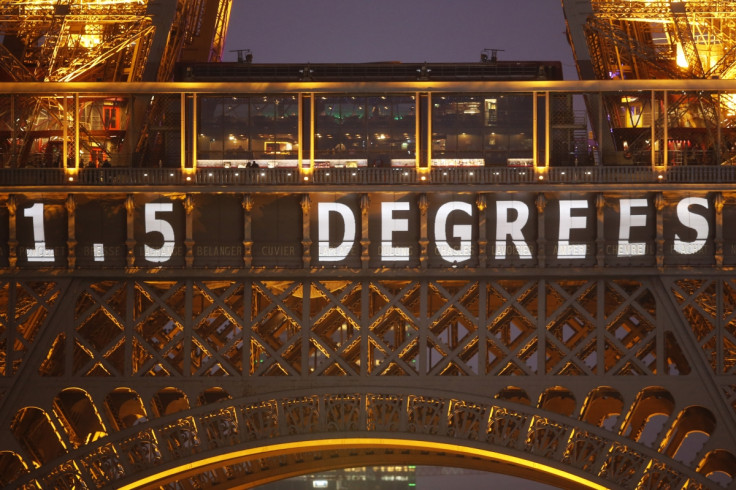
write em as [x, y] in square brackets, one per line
[412, 484]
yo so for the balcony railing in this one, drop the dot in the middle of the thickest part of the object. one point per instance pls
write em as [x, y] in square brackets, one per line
[472, 176]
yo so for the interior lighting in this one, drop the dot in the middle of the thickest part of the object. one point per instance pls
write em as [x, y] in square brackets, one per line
[681, 59]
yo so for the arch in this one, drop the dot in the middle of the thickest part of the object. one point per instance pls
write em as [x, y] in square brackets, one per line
[335, 453]
[34, 431]
[125, 408]
[169, 400]
[718, 461]
[12, 467]
[602, 407]
[78, 416]
[559, 400]
[650, 403]
[213, 395]
[474, 428]
[690, 422]
[514, 394]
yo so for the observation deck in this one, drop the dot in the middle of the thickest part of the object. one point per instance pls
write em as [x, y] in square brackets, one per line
[215, 323]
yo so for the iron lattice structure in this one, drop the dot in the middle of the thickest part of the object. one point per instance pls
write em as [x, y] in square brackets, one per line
[114, 40]
[109, 41]
[660, 39]
[666, 39]
[212, 382]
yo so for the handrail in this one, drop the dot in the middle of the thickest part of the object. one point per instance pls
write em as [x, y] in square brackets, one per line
[125, 176]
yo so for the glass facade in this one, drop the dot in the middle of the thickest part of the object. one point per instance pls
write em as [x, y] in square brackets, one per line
[234, 130]
[484, 129]
[377, 131]
[402, 129]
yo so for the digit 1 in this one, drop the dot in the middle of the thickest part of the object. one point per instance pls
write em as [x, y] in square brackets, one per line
[39, 253]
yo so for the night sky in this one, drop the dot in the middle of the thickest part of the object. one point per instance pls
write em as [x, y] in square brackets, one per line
[354, 31]
[343, 31]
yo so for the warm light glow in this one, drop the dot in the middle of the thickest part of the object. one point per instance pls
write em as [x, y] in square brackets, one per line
[362, 442]
[681, 60]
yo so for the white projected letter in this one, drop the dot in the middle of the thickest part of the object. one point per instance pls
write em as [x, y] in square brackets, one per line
[628, 221]
[157, 225]
[694, 222]
[567, 223]
[38, 253]
[463, 232]
[325, 252]
[388, 226]
[506, 228]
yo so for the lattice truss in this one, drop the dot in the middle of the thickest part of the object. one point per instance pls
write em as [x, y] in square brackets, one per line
[663, 39]
[666, 39]
[74, 41]
[97, 41]
[624, 380]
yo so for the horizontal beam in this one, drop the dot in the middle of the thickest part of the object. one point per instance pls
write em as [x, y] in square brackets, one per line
[57, 88]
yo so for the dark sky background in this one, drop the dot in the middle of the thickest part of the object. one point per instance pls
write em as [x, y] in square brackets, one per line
[343, 31]
[358, 31]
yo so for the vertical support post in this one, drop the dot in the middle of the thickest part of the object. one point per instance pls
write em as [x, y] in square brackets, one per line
[365, 242]
[541, 328]
[535, 129]
[76, 131]
[600, 326]
[659, 206]
[424, 363]
[188, 326]
[428, 136]
[311, 131]
[306, 329]
[12, 232]
[71, 241]
[482, 329]
[183, 131]
[417, 129]
[423, 240]
[665, 134]
[306, 239]
[300, 131]
[547, 129]
[365, 314]
[188, 233]
[600, 204]
[247, 231]
[193, 159]
[130, 240]
[541, 203]
[64, 133]
[719, 150]
[480, 203]
[13, 136]
[600, 128]
[652, 129]
[718, 202]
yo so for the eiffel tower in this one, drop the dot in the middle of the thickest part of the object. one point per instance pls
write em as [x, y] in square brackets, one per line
[225, 326]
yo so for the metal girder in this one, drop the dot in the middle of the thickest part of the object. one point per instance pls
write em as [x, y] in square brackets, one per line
[611, 377]
[685, 36]
[660, 11]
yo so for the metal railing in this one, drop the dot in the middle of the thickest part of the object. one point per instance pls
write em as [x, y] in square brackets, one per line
[365, 176]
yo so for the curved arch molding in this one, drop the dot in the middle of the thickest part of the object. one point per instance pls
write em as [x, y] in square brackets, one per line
[207, 383]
